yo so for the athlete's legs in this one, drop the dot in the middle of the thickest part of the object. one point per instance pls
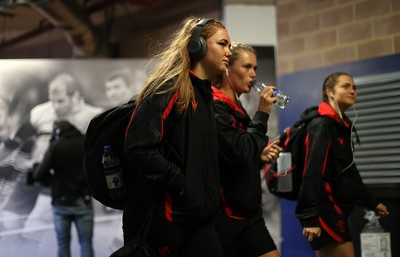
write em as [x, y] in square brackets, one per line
[274, 253]
[345, 249]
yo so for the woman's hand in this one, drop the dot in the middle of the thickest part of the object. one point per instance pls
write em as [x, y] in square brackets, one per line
[267, 98]
[311, 233]
[381, 210]
[271, 152]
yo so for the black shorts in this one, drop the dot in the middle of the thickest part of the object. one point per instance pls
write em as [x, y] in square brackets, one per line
[194, 238]
[199, 240]
[334, 227]
[244, 237]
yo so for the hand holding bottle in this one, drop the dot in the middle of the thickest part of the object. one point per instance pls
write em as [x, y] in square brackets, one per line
[267, 99]
[282, 100]
[381, 210]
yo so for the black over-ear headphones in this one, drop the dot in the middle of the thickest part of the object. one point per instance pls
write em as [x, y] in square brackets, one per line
[197, 46]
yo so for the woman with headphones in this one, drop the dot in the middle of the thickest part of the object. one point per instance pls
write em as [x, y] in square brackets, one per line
[171, 145]
[243, 150]
[332, 184]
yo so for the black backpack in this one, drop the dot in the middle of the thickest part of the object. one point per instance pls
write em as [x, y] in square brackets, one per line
[284, 177]
[107, 128]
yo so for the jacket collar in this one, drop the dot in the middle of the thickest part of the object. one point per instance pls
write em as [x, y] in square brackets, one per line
[218, 95]
[204, 86]
[324, 109]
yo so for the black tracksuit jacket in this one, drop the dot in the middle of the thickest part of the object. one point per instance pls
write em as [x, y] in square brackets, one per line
[241, 141]
[330, 176]
[177, 156]
[65, 156]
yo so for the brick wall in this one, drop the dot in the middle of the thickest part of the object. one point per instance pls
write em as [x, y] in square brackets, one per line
[319, 33]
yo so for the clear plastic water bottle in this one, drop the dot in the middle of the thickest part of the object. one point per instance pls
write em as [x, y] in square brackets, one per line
[284, 165]
[113, 174]
[282, 99]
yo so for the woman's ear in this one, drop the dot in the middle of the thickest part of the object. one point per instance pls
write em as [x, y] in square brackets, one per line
[329, 94]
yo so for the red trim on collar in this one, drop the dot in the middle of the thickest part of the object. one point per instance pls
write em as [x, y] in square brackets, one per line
[219, 95]
[192, 72]
[324, 109]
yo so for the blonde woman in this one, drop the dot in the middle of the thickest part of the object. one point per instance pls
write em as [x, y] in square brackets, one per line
[171, 142]
[243, 148]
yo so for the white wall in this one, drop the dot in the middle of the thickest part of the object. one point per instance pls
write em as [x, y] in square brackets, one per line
[252, 24]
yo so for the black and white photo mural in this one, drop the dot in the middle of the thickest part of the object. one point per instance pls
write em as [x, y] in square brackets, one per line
[27, 113]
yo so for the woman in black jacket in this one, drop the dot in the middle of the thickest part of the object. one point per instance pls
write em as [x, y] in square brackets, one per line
[171, 143]
[242, 146]
[332, 184]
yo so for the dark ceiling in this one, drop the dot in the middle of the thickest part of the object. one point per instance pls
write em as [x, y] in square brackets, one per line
[87, 25]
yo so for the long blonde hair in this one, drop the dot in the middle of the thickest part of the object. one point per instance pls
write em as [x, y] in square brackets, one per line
[174, 61]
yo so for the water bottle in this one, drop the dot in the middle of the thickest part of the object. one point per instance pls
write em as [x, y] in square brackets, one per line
[284, 165]
[282, 99]
[113, 174]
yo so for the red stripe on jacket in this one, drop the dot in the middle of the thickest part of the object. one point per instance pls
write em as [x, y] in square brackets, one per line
[227, 209]
[330, 231]
[167, 111]
[168, 207]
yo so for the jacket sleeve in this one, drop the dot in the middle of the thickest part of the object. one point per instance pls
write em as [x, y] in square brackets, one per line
[42, 172]
[236, 144]
[143, 149]
[317, 145]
